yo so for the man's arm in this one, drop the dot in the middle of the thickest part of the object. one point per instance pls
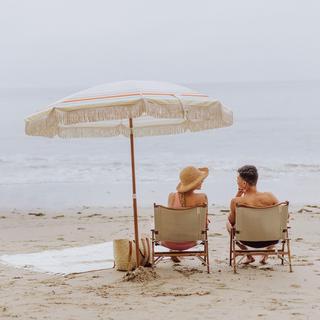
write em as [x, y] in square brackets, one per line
[240, 193]
[232, 214]
[233, 203]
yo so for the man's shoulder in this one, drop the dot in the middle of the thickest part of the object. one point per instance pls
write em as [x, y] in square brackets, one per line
[269, 196]
[267, 193]
[238, 200]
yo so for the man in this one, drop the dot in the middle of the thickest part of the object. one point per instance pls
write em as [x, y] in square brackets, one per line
[249, 195]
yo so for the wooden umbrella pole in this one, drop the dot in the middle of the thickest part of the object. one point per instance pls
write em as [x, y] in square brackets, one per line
[134, 196]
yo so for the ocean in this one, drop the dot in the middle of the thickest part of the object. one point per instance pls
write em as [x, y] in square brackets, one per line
[276, 128]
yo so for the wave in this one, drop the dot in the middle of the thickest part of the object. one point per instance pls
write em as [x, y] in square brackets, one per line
[73, 169]
[303, 166]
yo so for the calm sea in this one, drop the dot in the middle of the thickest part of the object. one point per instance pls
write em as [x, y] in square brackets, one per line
[276, 128]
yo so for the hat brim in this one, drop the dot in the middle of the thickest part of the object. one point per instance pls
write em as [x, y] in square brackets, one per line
[193, 185]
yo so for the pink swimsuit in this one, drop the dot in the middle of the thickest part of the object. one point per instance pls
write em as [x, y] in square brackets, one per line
[178, 245]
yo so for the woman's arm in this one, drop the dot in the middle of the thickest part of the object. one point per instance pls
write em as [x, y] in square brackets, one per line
[205, 200]
[171, 199]
[202, 200]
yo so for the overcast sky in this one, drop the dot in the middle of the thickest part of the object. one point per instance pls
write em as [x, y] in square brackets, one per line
[75, 42]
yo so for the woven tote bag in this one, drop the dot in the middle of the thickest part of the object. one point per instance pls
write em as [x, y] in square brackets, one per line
[124, 253]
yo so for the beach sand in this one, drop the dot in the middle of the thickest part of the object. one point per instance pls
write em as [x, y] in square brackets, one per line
[179, 291]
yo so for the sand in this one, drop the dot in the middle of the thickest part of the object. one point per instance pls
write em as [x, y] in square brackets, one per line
[174, 291]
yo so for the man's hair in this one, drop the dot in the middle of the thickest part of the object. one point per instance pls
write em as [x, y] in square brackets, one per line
[249, 174]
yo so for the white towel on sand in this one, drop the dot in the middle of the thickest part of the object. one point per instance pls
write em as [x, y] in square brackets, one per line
[65, 261]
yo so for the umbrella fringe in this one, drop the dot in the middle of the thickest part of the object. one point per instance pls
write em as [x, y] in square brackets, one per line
[56, 122]
[85, 132]
[96, 132]
[93, 132]
[104, 113]
[46, 127]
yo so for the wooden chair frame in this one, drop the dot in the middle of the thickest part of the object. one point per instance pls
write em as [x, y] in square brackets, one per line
[202, 255]
[283, 253]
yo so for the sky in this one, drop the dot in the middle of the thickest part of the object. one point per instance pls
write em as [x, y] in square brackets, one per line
[54, 43]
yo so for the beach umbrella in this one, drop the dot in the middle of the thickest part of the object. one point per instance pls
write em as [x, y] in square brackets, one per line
[132, 109]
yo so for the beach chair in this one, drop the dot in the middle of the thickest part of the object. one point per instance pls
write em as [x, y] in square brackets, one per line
[179, 225]
[257, 228]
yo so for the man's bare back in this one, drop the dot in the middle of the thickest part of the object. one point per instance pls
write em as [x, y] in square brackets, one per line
[254, 199]
[258, 199]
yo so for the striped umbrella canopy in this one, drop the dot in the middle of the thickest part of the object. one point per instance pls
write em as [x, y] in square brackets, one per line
[132, 109]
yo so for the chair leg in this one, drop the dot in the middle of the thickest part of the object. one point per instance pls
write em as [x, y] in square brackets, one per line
[289, 255]
[152, 251]
[152, 260]
[234, 256]
[283, 247]
[230, 249]
[207, 257]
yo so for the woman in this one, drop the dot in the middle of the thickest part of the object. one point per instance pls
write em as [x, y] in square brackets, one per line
[191, 179]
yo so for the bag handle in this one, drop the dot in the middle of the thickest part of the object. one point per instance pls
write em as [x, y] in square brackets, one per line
[149, 249]
[140, 252]
[145, 252]
[130, 256]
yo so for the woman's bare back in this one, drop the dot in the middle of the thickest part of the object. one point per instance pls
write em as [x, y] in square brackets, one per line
[191, 199]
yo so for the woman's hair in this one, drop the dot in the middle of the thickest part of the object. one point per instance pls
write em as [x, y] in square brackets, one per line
[249, 174]
[182, 198]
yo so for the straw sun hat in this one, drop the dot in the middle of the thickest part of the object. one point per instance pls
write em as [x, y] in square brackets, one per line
[190, 177]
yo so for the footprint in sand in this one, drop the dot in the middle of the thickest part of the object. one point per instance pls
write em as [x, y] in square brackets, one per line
[36, 214]
[215, 234]
[187, 272]
[180, 294]
[94, 215]
[266, 268]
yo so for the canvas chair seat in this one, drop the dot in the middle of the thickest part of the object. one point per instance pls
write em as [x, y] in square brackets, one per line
[260, 228]
[180, 225]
